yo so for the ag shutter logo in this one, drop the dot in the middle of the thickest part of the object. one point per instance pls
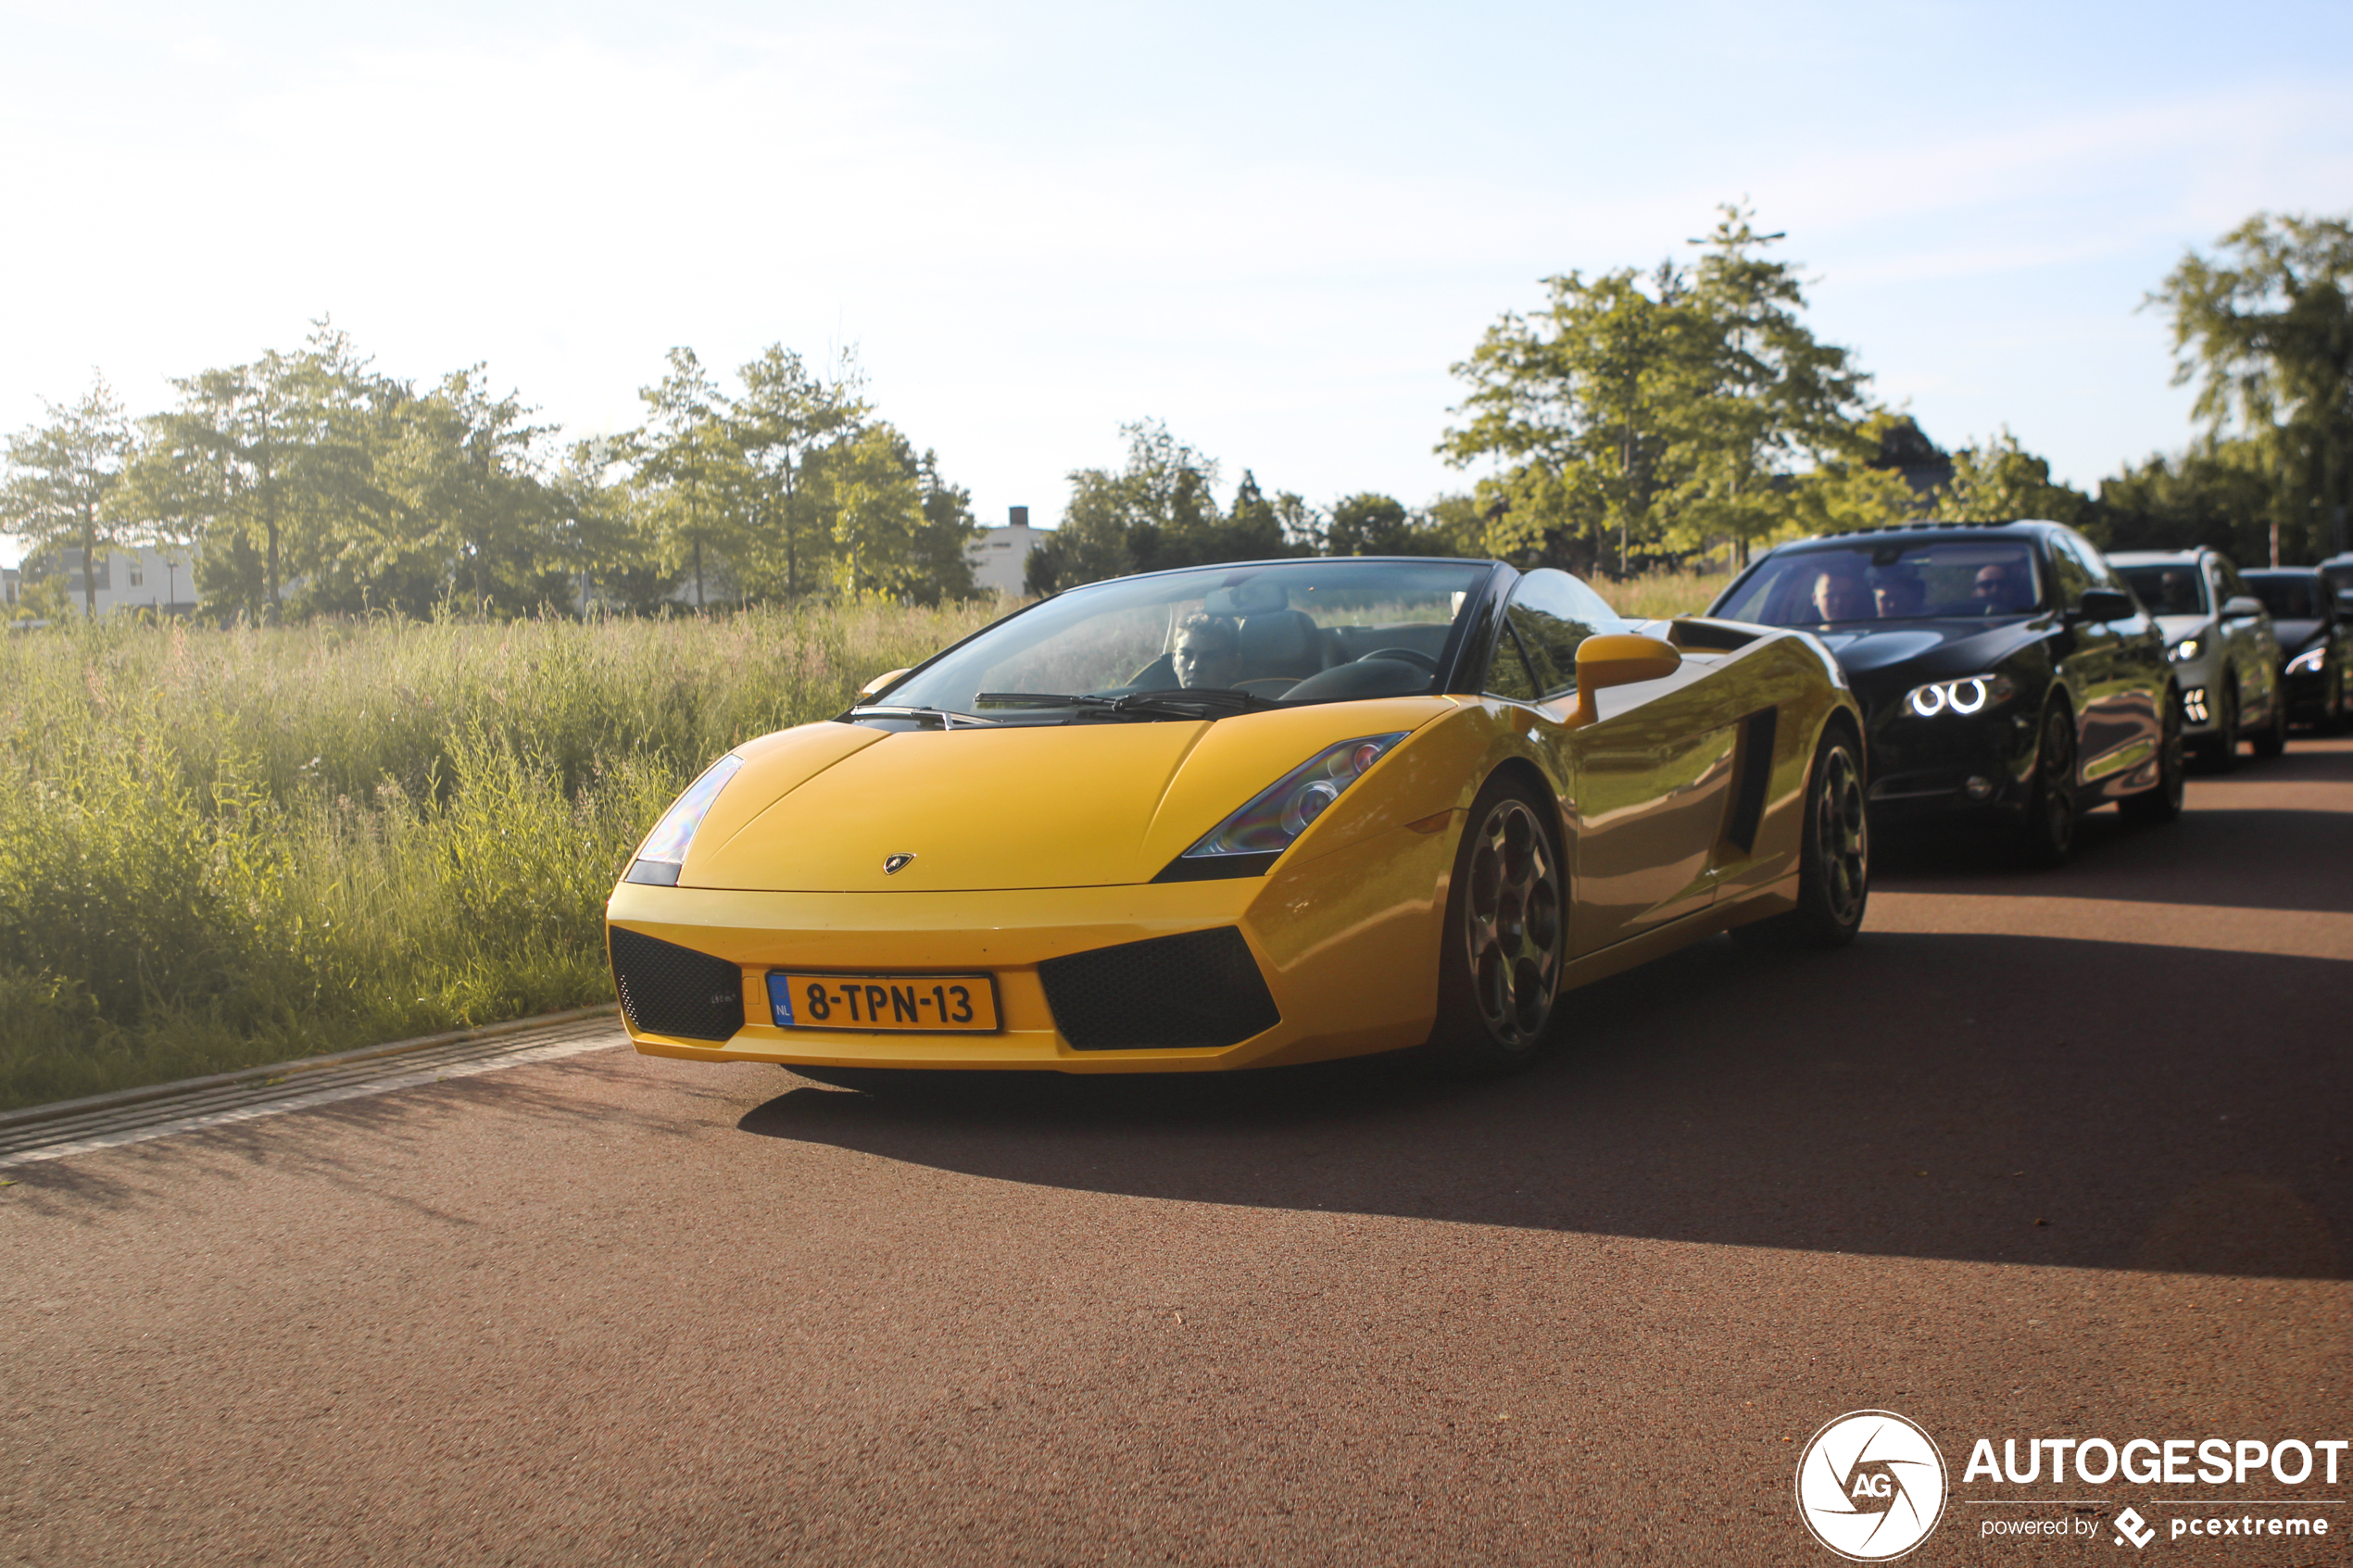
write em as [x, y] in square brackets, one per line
[1871, 1485]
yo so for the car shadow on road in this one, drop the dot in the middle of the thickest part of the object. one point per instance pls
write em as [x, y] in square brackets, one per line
[2220, 856]
[1991, 1098]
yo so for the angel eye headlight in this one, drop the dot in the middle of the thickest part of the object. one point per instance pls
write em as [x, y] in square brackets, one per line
[1969, 694]
[664, 851]
[1282, 811]
[2309, 662]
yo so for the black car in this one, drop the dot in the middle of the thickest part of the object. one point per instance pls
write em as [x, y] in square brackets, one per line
[2003, 670]
[2316, 641]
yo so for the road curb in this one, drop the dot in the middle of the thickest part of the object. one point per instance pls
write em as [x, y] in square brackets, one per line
[59, 1111]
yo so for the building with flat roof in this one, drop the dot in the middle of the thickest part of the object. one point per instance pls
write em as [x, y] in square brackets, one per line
[1000, 556]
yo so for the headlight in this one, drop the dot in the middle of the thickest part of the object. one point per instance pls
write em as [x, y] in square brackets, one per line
[2309, 662]
[1281, 812]
[2183, 651]
[1971, 694]
[665, 850]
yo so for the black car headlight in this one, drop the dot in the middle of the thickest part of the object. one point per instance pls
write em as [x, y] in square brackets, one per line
[2184, 651]
[1970, 693]
[2309, 662]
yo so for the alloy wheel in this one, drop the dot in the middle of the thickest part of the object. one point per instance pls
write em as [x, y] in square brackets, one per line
[1842, 837]
[1511, 923]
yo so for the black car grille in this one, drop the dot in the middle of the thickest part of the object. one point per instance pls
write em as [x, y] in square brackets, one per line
[667, 989]
[1202, 988]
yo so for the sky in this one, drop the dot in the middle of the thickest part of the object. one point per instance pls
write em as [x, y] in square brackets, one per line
[1273, 226]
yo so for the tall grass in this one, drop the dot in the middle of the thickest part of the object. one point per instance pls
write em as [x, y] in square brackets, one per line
[1661, 594]
[218, 848]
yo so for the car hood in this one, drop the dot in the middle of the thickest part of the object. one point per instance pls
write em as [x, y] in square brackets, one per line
[820, 808]
[1929, 649]
[2296, 636]
[2176, 627]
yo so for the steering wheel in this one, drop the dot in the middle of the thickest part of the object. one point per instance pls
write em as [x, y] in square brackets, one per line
[1409, 655]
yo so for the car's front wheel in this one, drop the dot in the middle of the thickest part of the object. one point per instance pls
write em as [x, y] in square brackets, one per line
[2047, 835]
[1834, 855]
[1506, 933]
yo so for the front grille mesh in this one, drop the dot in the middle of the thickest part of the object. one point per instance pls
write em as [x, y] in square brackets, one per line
[667, 989]
[1201, 988]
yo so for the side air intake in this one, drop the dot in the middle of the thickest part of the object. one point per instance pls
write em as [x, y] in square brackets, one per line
[1202, 988]
[667, 989]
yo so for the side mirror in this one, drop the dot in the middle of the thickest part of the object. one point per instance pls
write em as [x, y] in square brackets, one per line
[2106, 603]
[1619, 660]
[879, 685]
[2241, 607]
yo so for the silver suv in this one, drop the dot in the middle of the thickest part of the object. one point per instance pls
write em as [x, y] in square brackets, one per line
[2219, 637]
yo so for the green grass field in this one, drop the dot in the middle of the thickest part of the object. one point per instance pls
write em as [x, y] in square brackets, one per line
[223, 848]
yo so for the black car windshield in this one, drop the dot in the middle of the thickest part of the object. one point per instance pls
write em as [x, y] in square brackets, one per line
[2168, 587]
[1205, 643]
[1888, 579]
[2288, 595]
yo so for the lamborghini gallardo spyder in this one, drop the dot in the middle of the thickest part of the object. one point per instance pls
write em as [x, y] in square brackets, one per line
[1247, 815]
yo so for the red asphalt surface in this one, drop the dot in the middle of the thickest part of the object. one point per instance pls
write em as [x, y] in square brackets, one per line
[2057, 1155]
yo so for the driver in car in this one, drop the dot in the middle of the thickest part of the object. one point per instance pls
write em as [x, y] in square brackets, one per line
[1208, 654]
[1843, 595]
[2000, 589]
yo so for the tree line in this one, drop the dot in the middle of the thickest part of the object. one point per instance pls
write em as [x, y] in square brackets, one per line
[309, 483]
[1657, 416]
[1639, 417]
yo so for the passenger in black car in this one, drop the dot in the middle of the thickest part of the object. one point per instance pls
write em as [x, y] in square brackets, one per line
[1901, 595]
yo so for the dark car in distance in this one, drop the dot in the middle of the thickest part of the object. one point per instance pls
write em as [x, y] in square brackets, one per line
[2003, 670]
[2316, 641]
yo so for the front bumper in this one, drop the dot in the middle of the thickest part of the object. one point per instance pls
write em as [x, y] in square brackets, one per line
[2306, 694]
[1346, 943]
[1948, 765]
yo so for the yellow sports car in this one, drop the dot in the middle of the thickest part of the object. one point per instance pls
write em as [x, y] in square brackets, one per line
[1242, 816]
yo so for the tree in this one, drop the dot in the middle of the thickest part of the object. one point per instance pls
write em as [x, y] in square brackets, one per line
[2219, 494]
[1583, 406]
[63, 475]
[462, 468]
[2000, 482]
[899, 533]
[1663, 409]
[2265, 329]
[691, 473]
[784, 424]
[1775, 402]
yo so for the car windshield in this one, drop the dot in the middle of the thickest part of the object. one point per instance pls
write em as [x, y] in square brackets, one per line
[2168, 587]
[2289, 597]
[1202, 644]
[1839, 585]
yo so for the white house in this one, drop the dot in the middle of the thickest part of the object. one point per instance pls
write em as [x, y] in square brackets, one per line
[1000, 556]
[160, 578]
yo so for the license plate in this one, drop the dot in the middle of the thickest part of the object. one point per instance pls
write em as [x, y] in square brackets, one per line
[924, 1003]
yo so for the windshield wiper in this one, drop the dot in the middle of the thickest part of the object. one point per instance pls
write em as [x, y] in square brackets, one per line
[948, 718]
[1173, 702]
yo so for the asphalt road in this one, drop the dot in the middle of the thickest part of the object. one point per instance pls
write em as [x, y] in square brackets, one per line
[2039, 1155]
